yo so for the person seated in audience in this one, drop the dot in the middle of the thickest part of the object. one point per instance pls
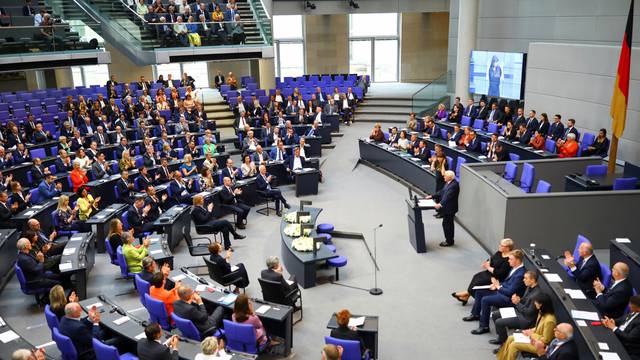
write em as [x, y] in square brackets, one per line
[249, 143]
[472, 143]
[63, 162]
[230, 171]
[243, 313]
[58, 300]
[39, 135]
[133, 255]
[6, 160]
[48, 189]
[291, 138]
[412, 123]
[138, 217]
[520, 119]
[260, 157]
[50, 250]
[18, 198]
[76, 141]
[86, 204]
[509, 132]
[67, 216]
[126, 162]
[470, 111]
[457, 134]
[612, 301]
[345, 332]
[29, 354]
[248, 167]
[543, 331]
[567, 148]
[345, 108]
[91, 154]
[441, 113]
[497, 266]
[54, 245]
[206, 220]
[80, 330]
[570, 129]
[492, 146]
[100, 167]
[21, 154]
[149, 268]
[152, 347]
[499, 293]
[224, 264]
[585, 270]
[523, 136]
[482, 110]
[556, 130]
[525, 309]
[38, 172]
[402, 143]
[179, 189]
[627, 327]
[114, 236]
[158, 291]
[600, 146]
[143, 178]
[295, 162]
[501, 154]
[376, 134]
[431, 130]
[393, 136]
[439, 166]
[332, 352]
[274, 272]
[279, 153]
[78, 175]
[263, 183]
[562, 347]
[456, 114]
[538, 141]
[157, 205]
[192, 150]
[211, 348]
[231, 81]
[188, 168]
[189, 306]
[421, 152]
[33, 267]
[506, 116]
[124, 187]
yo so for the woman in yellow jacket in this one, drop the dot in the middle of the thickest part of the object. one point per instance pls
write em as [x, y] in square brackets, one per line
[134, 255]
[86, 204]
[543, 331]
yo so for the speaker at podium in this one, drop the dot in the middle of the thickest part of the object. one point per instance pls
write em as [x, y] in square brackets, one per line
[414, 220]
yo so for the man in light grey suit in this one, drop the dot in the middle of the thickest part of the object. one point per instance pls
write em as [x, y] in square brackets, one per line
[100, 168]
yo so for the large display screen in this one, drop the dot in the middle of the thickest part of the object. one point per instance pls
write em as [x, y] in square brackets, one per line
[497, 74]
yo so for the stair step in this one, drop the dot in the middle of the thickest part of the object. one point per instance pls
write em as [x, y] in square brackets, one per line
[381, 118]
[386, 102]
[383, 110]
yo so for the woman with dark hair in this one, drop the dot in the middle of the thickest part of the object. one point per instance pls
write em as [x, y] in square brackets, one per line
[158, 291]
[86, 204]
[494, 75]
[243, 314]
[456, 114]
[344, 332]
[248, 167]
[509, 132]
[543, 126]
[600, 145]
[543, 331]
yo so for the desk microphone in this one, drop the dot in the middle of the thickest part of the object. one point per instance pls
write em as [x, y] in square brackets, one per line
[379, 226]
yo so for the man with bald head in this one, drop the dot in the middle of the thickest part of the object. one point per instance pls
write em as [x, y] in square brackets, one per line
[447, 205]
[612, 301]
[55, 246]
[263, 183]
[562, 347]
[81, 331]
[230, 201]
[585, 270]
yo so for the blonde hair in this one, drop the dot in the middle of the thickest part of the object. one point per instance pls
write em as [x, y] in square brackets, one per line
[209, 345]
[62, 200]
[57, 297]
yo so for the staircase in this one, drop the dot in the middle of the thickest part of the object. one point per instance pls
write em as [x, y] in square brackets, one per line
[217, 109]
[69, 10]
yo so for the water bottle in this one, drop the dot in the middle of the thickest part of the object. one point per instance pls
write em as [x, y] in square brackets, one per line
[532, 250]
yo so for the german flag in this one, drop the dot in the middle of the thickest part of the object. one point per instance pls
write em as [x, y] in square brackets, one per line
[621, 89]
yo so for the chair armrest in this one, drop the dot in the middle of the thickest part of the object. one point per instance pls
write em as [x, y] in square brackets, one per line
[231, 276]
[292, 292]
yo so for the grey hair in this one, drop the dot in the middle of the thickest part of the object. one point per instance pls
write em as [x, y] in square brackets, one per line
[126, 238]
[184, 292]
[70, 309]
[21, 354]
[272, 262]
[571, 136]
[22, 243]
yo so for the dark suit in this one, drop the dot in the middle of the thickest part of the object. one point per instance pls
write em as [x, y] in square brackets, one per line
[543, 128]
[526, 314]
[34, 272]
[630, 336]
[263, 185]
[276, 151]
[566, 351]
[100, 172]
[165, 174]
[156, 207]
[20, 200]
[124, 194]
[101, 139]
[532, 125]
[256, 157]
[204, 322]
[225, 267]
[37, 174]
[568, 131]
[5, 217]
[271, 275]
[448, 198]
[482, 113]
[613, 302]
[81, 334]
[207, 221]
[344, 333]
[178, 194]
[137, 222]
[474, 145]
[525, 138]
[230, 202]
[556, 130]
[585, 274]
[152, 350]
[226, 172]
[485, 299]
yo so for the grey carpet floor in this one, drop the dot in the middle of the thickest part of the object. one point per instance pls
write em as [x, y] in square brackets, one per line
[418, 317]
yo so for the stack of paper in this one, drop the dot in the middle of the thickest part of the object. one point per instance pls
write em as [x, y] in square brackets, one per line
[234, 268]
[426, 203]
[507, 312]
[7, 336]
[263, 309]
[68, 251]
[65, 266]
[521, 338]
[201, 287]
[623, 240]
[609, 356]
[140, 336]
[97, 305]
[359, 321]
[178, 277]
[575, 294]
[157, 251]
[586, 315]
[121, 320]
[546, 257]
[553, 277]
[481, 287]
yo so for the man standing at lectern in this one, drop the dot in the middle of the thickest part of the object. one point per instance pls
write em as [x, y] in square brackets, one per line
[447, 205]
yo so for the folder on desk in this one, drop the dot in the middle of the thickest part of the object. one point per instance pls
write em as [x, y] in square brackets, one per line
[426, 203]
[586, 315]
[553, 277]
[359, 321]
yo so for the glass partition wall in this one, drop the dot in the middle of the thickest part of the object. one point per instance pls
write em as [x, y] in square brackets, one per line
[373, 46]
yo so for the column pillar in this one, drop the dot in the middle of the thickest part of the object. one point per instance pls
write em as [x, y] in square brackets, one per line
[467, 25]
[267, 73]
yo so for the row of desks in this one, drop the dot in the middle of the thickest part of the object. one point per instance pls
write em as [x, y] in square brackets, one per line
[587, 336]
[627, 251]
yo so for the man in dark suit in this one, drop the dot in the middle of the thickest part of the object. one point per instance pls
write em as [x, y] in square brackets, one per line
[33, 266]
[30, 127]
[523, 135]
[526, 312]
[421, 152]
[457, 134]
[612, 301]
[38, 171]
[532, 122]
[563, 347]
[228, 197]
[295, 162]
[556, 130]
[124, 187]
[6, 211]
[482, 110]
[586, 270]
[28, 9]
[219, 79]
[156, 205]
[279, 153]
[48, 188]
[627, 328]
[151, 347]
[432, 130]
[100, 168]
[100, 137]
[205, 219]
[230, 171]
[144, 85]
[494, 115]
[571, 129]
[63, 162]
[81, 331]
[520, 118]
[447, 205]
[260, 156]
[191, 307]
[499, 294]
[179, 189]
[143, 179]
[137, 217]
[473, 143]
[263, 183]
[111, 82]
[470, 110]
[273, 272]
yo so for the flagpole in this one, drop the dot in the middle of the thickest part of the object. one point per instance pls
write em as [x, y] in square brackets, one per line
[613, 154]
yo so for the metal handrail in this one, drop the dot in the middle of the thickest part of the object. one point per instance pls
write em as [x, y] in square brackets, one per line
[86, 11]
[442, 76]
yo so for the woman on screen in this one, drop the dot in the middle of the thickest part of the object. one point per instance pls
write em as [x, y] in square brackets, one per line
[495, 75]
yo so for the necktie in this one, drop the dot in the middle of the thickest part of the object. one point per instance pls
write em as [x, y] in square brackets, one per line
[627, 321]
[552, 347]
